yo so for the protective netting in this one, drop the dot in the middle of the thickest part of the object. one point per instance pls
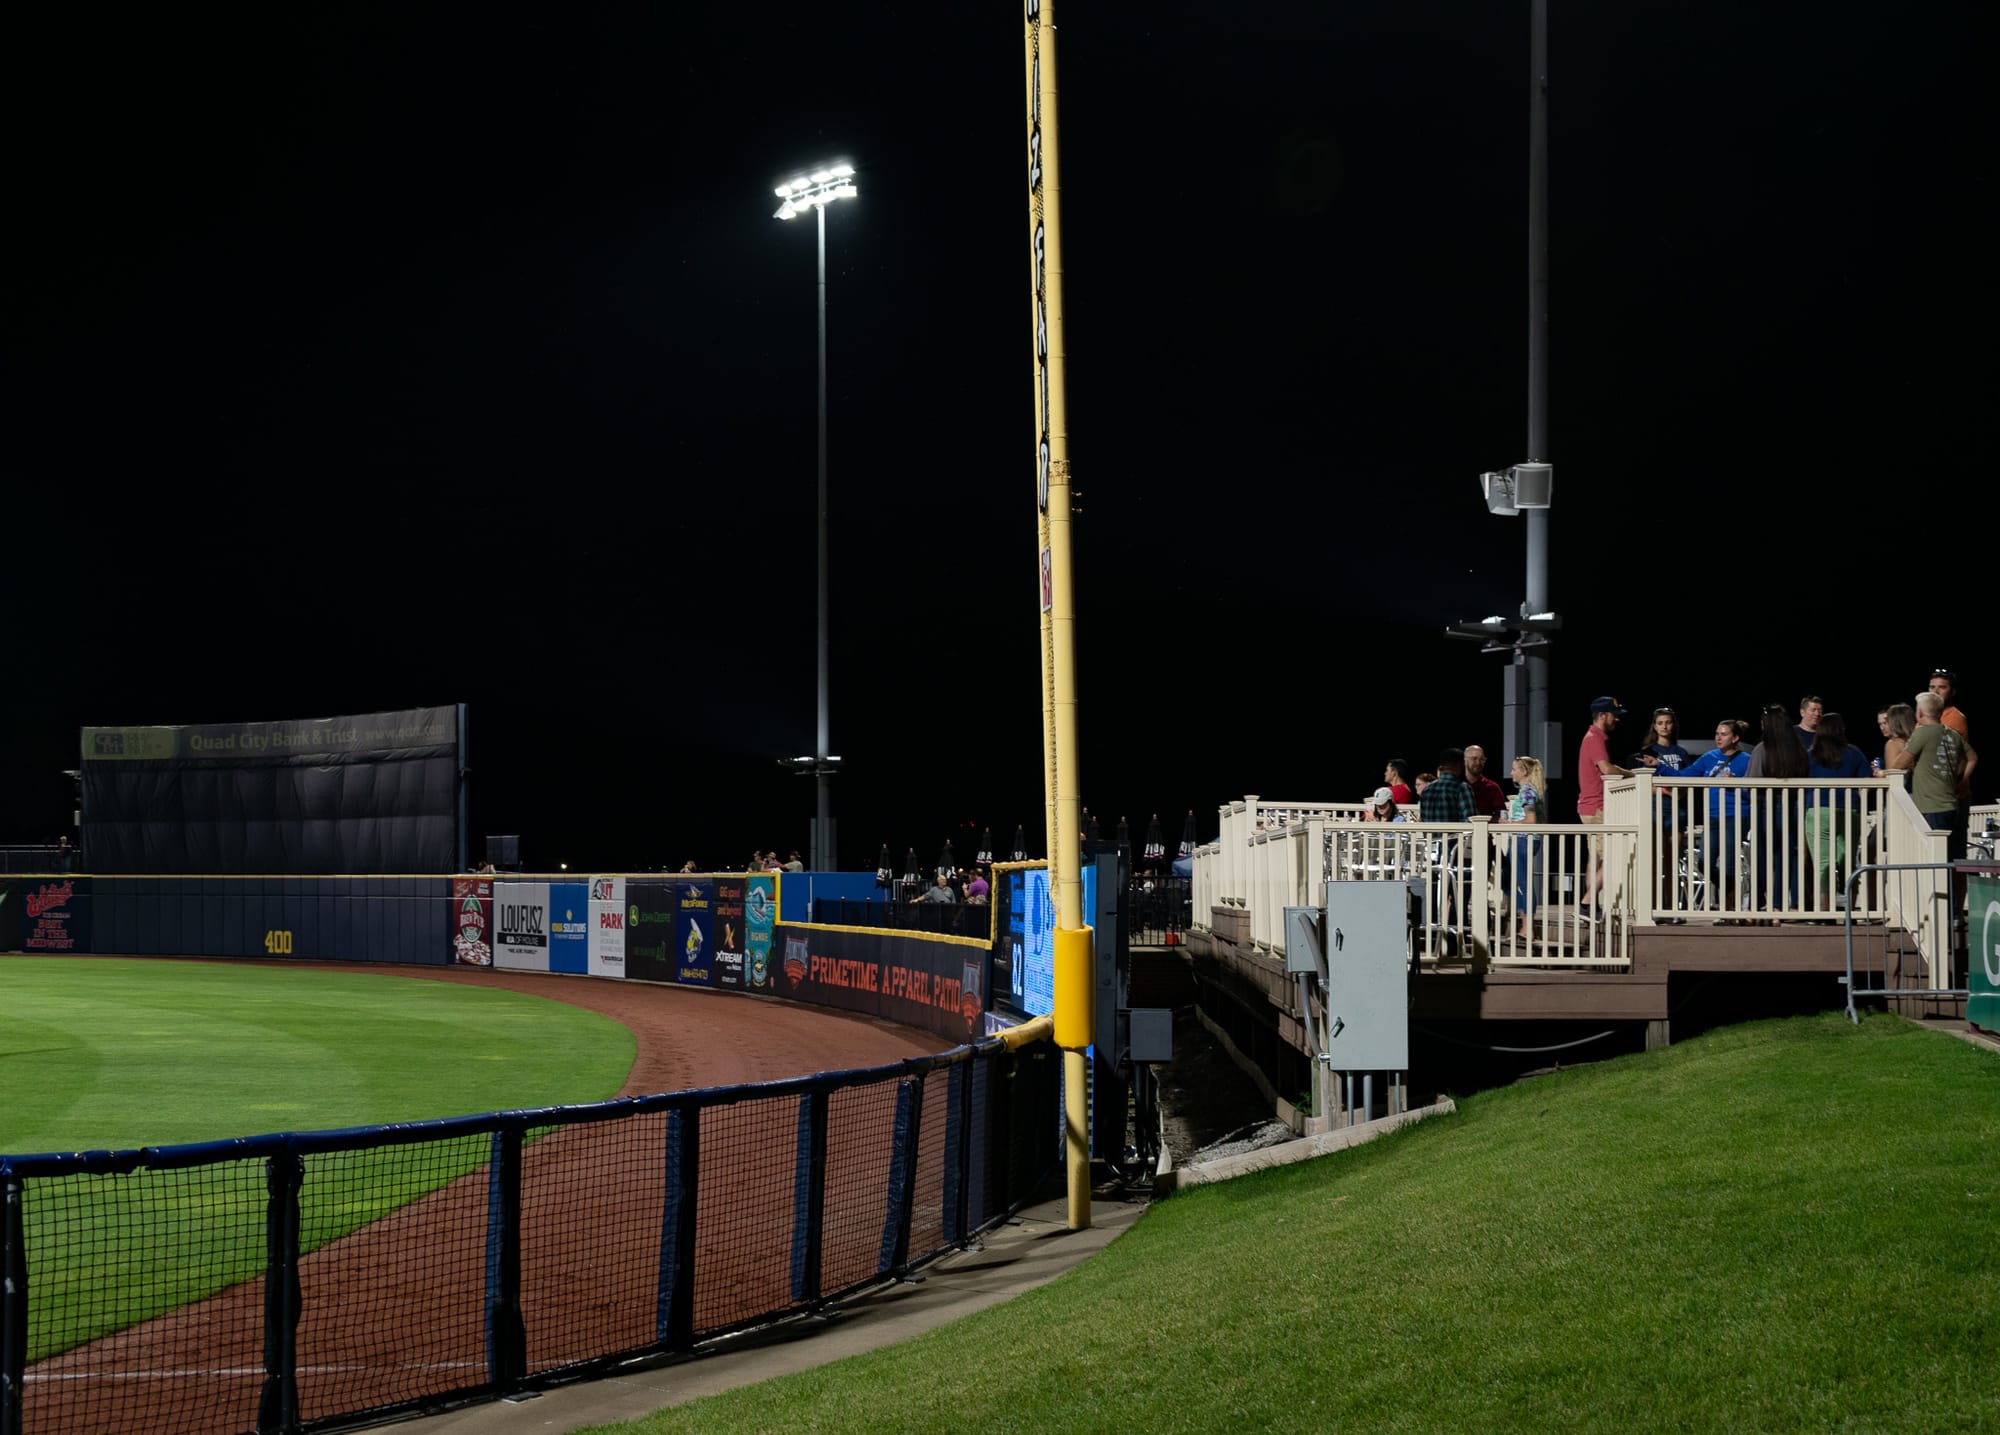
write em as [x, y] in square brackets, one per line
[112, 1262]
[263, 1283]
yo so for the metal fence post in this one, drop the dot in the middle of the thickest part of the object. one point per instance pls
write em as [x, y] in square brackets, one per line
[809, 1196]
[674, 1316]
[506, 1333]
[278, 1403]
[13, 1304]
[957, 1151]
[895, 1250]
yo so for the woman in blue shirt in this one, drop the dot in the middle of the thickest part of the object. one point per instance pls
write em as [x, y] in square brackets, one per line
[1665, 749]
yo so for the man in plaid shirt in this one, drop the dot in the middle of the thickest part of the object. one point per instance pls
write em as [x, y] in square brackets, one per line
[1449, 799]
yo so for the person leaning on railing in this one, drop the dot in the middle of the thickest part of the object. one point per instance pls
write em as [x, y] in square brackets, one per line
[1897, 722]
[940, 892]
[1779, 755]
[1523, 852]
[1832, 813]
[1935, 758]
[1724, 836]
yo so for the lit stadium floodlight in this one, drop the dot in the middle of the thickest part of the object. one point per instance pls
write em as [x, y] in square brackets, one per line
[816, 190]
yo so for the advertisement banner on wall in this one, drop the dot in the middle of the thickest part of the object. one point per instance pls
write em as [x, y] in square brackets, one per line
[650, 953]
[521, 926]
[605, 955]
[1982, 920]
[569, 927]
[472, 921]
[726, 933]
[918, 981]
[45, 915]
[760, 918]
[694, 917]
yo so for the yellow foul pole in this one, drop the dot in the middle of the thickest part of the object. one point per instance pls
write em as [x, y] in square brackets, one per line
[1073, 975]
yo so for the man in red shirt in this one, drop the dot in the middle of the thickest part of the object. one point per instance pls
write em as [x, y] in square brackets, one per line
[1487, 798]
[1593, 765]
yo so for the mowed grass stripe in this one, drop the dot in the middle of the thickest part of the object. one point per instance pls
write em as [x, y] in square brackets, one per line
[1780, 1226]
[107, 1054]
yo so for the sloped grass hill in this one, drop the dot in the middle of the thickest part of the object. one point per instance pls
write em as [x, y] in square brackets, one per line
[1786, 1225]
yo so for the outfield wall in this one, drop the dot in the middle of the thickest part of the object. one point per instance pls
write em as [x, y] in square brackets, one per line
[718, 930]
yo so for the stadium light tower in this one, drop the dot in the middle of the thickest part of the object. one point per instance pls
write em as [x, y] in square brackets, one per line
[815, 191]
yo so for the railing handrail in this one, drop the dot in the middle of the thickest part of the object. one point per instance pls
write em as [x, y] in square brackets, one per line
[1659, 849]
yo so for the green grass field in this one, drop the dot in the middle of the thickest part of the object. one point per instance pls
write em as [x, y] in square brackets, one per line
[108, 1054]
[1783, 1226]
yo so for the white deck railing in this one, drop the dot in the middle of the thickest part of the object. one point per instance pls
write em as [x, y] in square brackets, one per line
[1735, 850]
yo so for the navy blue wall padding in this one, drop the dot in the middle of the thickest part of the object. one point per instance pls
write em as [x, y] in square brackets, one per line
[899, 1179]
[374, 931]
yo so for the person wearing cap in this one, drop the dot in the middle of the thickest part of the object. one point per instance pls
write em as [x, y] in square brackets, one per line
[1936, 758]
[1593, 762]
[1944, 682]
[1382, 807]
[1593, 765]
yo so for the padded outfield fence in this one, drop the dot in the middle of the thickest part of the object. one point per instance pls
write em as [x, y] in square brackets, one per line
[304, 1282]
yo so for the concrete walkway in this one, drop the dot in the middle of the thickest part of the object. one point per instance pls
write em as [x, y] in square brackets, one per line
[1032, 1251]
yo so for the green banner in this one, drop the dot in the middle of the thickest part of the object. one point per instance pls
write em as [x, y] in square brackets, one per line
[315, 740]
[1982, 923]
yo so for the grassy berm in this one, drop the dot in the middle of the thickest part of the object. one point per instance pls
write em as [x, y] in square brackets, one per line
[1782, 1226]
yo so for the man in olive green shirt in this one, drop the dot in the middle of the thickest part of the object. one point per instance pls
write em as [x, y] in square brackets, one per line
[1934, 758]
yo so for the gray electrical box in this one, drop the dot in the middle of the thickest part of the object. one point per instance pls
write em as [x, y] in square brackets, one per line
[1152, 1035]
[1367, 942]
[1302, 943]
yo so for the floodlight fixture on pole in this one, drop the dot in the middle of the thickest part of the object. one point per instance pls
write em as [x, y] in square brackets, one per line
[815, 191]
[1524, 487]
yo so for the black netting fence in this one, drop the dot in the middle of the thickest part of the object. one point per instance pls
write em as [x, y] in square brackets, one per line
[303, 1281]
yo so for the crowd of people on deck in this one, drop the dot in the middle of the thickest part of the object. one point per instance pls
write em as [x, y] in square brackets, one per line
[1928, 739]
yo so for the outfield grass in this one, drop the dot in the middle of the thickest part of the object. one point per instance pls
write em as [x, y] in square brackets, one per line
[1780, 1226]
[104, 1053]
[109, 1054]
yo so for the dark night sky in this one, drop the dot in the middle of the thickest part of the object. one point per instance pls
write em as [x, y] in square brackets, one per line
[374, 357]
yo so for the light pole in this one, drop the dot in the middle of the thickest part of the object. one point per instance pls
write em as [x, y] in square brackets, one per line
[1528, 487]
[816, 191]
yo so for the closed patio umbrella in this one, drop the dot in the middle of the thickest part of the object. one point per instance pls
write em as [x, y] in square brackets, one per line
[985, 854]
[1187, 836]
[1156, 842]
[1020, 843]
[911, 871]
[884, 873]
[947, 861]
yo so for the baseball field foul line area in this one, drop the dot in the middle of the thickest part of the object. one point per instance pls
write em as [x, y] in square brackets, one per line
[502, 1250]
